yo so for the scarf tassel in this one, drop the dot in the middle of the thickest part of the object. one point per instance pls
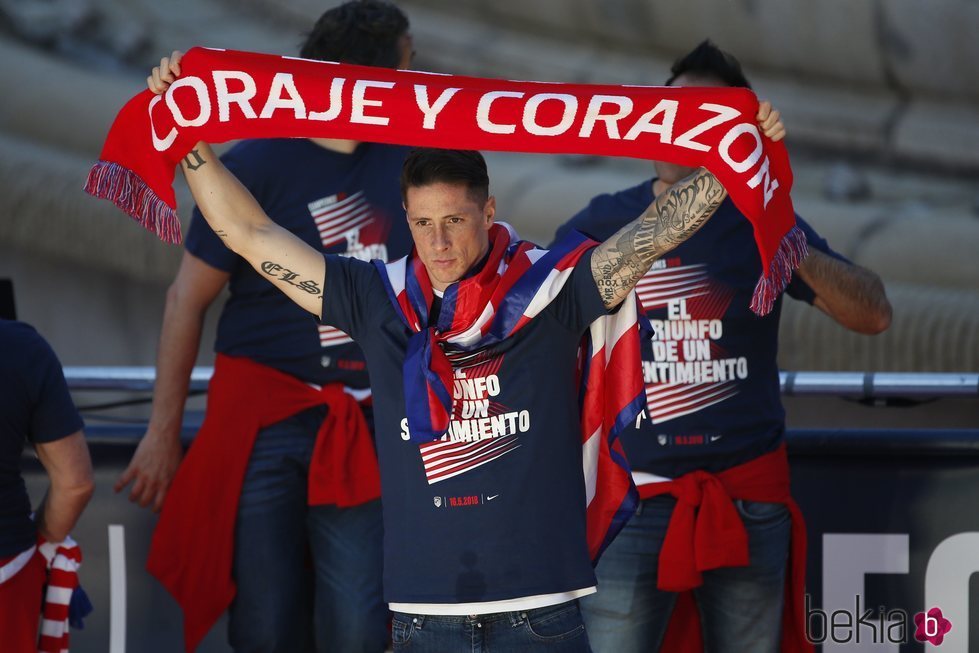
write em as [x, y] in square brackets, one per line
[792, 251]
[125, 189]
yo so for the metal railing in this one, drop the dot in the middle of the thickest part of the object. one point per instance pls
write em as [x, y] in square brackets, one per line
[912, 385]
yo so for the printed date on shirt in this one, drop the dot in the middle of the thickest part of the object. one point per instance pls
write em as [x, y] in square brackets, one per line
[282, 274]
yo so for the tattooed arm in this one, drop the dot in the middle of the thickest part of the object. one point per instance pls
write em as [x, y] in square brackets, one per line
[278, 255]
[674, 216]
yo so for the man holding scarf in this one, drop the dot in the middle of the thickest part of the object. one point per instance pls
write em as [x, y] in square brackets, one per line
[472, 347]
[285, 383]
[711, 440]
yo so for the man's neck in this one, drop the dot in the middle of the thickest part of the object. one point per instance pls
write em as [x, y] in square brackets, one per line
[341, 145]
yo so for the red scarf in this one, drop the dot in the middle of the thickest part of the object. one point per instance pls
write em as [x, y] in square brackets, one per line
[193, 543]
[225, 95]
[705, 532]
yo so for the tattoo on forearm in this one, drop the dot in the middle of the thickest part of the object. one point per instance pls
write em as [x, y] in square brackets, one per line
[292, 278]
[619, 262]
[194, 160]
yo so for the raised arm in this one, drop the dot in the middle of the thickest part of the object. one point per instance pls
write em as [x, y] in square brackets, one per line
[278, 255]
[674, 216]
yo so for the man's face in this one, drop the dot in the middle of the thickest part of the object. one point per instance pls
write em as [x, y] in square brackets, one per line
[450, 229]
[670, 173]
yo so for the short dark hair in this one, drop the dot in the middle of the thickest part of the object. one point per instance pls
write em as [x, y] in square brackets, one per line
[708, 60]
[363, 32]
[429, 165]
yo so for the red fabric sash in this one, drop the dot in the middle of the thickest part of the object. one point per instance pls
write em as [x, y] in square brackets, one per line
[705, 532]
[193, 543]
[21, 599]
[225, 95]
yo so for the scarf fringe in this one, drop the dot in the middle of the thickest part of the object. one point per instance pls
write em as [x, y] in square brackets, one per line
[125, 189]
[792, 251]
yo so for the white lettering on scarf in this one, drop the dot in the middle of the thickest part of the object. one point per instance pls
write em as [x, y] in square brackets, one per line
[360, 102]
[431, 111]
[366, 108]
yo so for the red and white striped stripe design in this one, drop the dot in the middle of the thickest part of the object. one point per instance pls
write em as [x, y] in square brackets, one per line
[63, 562]
[613, 384]
[444, 460]
[705, 300]
[666, 401]
[332, 336]
[658, 287]
[335, 220]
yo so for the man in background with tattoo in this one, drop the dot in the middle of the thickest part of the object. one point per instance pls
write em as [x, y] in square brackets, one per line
[284, 396]
[714, 423]
[485, 541]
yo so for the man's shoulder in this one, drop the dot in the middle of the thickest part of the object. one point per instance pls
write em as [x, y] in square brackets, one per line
[633, 198]
[24, 349]
[15, 336]
[608, 212]
[353, 267]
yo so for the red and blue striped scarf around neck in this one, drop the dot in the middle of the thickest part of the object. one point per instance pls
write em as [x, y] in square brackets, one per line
[515, 283]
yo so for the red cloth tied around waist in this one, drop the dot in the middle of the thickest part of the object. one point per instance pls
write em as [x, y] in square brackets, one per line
[289, 97]
[193, 544]
[706, 532]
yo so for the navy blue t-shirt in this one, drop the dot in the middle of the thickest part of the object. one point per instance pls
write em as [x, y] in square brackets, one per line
[497, 510]
[346, 204]
[710, 367]
[34, 407]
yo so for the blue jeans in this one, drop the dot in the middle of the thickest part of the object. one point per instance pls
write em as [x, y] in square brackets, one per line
[285, 601]
[556, 628]
[740, 607]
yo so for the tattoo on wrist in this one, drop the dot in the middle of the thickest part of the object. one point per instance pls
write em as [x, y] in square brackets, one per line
[619, 262]
[221, 233]
[194, 160]
[276, 271]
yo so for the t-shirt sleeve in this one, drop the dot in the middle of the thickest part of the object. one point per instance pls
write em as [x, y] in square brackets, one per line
[53, 414]
[797, 288]
[201, 241]
[579, 304]
[587, 221]
[354, 298]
